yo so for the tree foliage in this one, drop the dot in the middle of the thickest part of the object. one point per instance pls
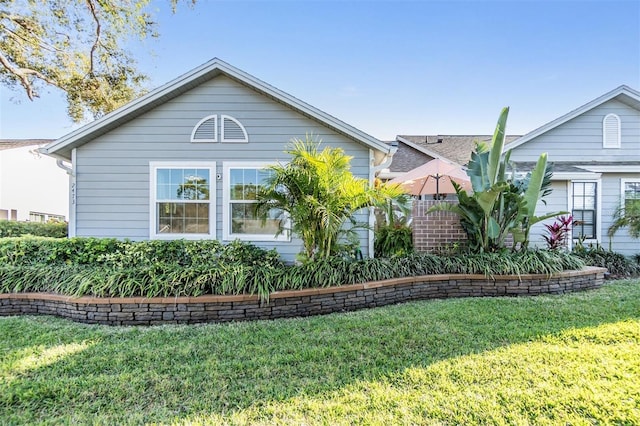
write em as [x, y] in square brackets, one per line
[77, 46]
[319, 194]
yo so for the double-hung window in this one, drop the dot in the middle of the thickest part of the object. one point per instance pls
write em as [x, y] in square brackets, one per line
[242, 181]
[631, 194]
[182, 200]
[584, 210]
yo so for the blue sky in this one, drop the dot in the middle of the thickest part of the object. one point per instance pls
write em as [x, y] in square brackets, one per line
[392, 67]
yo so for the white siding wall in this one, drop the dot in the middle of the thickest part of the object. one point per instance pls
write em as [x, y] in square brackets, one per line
[113, 170]
[580, 140]
[31, 182]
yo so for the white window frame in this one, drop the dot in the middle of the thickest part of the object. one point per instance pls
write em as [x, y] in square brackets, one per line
[605, 142]
[227, 235]
[598, 227]
[623, 183]
[213, 117]
[153, 167]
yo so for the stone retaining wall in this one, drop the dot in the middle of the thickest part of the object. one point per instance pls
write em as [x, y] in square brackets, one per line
[300, 303]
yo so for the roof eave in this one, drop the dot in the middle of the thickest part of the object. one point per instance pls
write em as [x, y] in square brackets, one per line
[186, 82]
[621, 90]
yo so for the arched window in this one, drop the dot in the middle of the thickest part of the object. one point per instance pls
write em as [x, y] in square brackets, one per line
[232, 130]
[611, 131]
[206, 130]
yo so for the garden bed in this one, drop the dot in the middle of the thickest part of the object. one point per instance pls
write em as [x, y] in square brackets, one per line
[297, 303]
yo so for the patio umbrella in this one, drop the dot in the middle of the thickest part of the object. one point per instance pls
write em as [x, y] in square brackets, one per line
[434, 177]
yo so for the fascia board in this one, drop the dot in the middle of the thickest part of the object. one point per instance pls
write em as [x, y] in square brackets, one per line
[172, 88]
[612, 169]
[575, 176]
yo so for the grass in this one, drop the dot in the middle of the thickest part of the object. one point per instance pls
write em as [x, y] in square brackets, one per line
[569, 359]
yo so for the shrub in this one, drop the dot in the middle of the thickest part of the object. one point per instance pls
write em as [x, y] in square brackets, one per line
[10, 228]
[617, 264]
[393, 240]
[126, 254]
[193, 268]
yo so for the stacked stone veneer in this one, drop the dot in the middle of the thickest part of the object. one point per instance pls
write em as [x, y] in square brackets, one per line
[435, 230]
[188, 310]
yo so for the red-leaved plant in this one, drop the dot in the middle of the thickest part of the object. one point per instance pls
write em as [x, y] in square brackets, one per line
[558, 232]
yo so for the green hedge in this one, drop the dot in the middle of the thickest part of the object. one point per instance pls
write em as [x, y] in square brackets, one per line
[112, 268]
[9, 228]
[617, 264]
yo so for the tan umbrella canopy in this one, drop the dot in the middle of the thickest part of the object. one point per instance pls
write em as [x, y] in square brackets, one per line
[434, 177]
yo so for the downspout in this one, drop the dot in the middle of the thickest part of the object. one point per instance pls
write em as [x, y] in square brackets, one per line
[374, 170]
[71, 172]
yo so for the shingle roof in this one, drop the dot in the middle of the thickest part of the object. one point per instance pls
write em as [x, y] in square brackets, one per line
[576, 167]
[456, 148]
[19, 143]
[407, 158]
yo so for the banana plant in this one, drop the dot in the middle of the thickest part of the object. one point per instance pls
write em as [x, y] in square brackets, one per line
[538, 184]
[499, 205]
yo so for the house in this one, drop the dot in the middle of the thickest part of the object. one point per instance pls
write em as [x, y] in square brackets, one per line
[32, 187]
[183, 160]
[596, 154]
[416, 150]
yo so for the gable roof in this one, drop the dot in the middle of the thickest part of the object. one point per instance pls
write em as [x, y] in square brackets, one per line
[20, 143]
[62, 147]
[624, 94]
[456, 148]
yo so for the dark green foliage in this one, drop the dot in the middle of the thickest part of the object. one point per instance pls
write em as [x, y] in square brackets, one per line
[9, 228]
[393, 240]
[113, 268]
[617, 264]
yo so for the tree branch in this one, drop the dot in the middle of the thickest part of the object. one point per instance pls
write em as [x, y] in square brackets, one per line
[22, 74]
[96, 43]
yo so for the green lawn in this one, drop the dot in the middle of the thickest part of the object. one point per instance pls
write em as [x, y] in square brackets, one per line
[572, 359]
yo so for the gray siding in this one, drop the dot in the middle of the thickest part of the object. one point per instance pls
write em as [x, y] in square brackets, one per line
[555, 202]
[112, 171]
[580, 139]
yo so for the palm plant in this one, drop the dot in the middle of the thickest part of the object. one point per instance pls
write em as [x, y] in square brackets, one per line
[318, 193]
[627, 215]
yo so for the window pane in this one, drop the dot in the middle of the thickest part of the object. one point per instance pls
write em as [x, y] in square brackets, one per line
[183, 218]
[244, 220]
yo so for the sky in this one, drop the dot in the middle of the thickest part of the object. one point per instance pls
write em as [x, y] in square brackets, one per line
[390, 67]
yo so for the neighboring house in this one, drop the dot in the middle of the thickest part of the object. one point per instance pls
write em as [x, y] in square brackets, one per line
[32, 187]
[596, 154]
[416, 150]
[184, 160]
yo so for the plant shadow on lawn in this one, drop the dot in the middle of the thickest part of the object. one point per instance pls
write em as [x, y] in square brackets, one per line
[171, 372]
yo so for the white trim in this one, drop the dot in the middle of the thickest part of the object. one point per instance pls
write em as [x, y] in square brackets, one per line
[73, 198]
[194, 77]
[623, 182]
[598, 227]
[153, 167]
[617, 141]
[575, 176]
[619, 91]
[611, 169]
[227, 235]
[372, 215]
[197, 126]
[222, 127]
